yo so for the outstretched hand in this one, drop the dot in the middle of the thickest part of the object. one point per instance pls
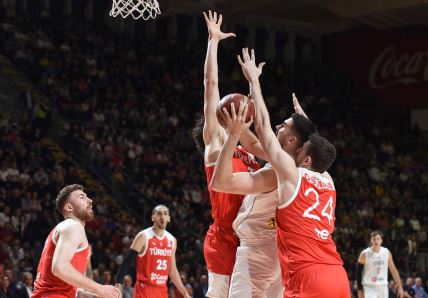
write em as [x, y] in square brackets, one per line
[236, 121]
[248, 64]
[213, 24]
[297, 108]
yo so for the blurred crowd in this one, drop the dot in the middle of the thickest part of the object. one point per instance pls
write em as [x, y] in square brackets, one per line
[133, 105]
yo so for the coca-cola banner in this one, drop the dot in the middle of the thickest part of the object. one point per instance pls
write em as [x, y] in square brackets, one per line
[391, 64]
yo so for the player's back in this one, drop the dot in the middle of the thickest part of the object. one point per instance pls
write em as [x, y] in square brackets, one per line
[46, 283]
[154, 262]
[225, 207]
[306, 223]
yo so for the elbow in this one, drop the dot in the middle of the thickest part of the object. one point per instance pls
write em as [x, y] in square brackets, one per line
[59, 269]
[216, 186]
[210, 81]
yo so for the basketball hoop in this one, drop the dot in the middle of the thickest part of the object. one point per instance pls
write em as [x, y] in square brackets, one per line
[144, 9]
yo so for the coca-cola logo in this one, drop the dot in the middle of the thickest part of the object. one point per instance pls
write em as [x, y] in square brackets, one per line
[389, 68]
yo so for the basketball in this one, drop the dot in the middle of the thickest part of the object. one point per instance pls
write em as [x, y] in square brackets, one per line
[226, 102]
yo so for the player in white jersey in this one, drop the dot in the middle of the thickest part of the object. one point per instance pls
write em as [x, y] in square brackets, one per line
[256, 272]
[372, 270]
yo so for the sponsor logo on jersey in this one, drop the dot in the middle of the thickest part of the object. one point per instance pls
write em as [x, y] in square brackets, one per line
[271, 223]
[378, 263]
[158, 279]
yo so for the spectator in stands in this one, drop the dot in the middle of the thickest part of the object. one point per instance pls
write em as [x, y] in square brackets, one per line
[107, 278]
[25, 287]
[419, 290]
[127, 288]
[201, 287]
[117, 125]
[5, 291]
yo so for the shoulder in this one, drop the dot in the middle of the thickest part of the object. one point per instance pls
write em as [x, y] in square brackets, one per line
[70, 226]
[364, 252]
[169, 236]
[69, 230]
[145, 234]
[328, 176]
[386, 251]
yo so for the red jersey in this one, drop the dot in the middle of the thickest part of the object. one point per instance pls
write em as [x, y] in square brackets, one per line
[225, 207]
[305, 224]
[47, 284]
[153, 264]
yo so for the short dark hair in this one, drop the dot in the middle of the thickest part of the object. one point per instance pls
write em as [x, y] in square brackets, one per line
[302, 127]
[157, 206]
[322, 152]
[64, 194]
[198, 134]
[375, 233]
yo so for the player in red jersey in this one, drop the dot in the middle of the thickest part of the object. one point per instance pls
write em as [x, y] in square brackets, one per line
[154, 251]
[221, 243]
[310, 263]
[65, 255]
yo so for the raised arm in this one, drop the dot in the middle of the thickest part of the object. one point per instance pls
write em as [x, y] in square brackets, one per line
[252, 144]
[68, 241]
[175, 275]
[282, 162]
[224, 179]
[395, 275]
[212, 128]
[297, 107]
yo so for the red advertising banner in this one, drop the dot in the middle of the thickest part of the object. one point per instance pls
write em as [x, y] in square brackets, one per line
[391, 64]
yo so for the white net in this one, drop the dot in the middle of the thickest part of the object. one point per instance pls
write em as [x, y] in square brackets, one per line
[144, 9]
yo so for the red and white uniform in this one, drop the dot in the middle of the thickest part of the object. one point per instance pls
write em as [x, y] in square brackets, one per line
[47, 284]
[153, 265]
[221, 242]
[310, 263]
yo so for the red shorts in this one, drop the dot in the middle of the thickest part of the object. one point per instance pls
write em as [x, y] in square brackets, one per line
[319, 281]
[142, 290]
[220, 249]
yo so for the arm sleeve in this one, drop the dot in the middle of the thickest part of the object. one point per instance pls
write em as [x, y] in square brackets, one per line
[359, 275]
[126, 264]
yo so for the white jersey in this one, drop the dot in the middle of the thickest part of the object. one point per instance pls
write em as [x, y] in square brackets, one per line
[257, 272]
[256, 217]
[376, 267]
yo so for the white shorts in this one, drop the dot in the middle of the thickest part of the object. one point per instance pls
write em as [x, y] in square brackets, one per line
[256, 273]
[380, 291]
[218, 285]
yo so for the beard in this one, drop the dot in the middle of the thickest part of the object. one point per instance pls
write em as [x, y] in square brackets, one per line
[85, 215]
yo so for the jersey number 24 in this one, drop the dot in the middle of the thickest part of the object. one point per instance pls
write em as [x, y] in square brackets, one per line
[327, 212]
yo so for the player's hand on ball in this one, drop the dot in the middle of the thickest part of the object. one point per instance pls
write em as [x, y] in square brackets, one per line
[213, 24]
[236, 119]
[248, 64]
